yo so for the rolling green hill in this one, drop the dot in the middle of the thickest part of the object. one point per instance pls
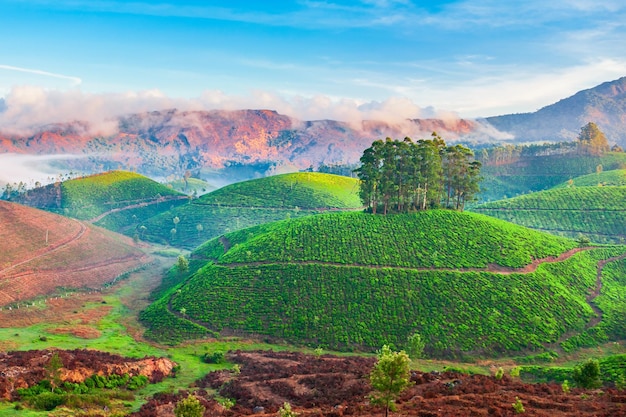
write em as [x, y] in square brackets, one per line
[253, 202]
[598, 213]
[536, 173]
[116, 200]
[353, 280]
[615, 177]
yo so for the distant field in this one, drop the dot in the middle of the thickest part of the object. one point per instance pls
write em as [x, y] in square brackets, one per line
[116, 200]
[538, 173]
[193, 186]
[616, 177]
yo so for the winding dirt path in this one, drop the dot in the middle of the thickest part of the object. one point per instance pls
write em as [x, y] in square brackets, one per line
[50, 249]
[598, 288]
[494, 268]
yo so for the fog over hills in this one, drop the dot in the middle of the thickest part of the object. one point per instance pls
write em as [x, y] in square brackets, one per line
[241, 144]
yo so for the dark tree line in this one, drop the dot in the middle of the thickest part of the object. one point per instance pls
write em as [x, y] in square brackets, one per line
[403, 176]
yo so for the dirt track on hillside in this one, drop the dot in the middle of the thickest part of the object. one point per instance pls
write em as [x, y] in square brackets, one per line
[88, 259]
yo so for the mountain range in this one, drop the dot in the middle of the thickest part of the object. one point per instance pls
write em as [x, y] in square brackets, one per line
[247, 143]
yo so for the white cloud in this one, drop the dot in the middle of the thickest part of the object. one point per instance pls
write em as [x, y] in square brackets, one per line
[27, 107]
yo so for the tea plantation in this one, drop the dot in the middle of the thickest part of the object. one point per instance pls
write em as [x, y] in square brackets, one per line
[250, 203]
[357, 281]
[599, 213]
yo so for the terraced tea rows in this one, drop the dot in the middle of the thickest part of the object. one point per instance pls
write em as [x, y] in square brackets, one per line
[250, 203]
[596, 212]
[301, 291]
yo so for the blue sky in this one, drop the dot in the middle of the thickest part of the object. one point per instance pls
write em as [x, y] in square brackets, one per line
[310, 59]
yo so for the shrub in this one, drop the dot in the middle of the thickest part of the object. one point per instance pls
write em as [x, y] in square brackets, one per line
[286, 411]
[47, 401]
[518, 406]
[587, 374]
[137, 382]
[189, 407]
[215, 357]
[415, 346]
[566, 387]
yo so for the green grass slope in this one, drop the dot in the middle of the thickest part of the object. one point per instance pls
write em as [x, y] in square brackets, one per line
[596, 212]
[253, 202]
[615, 177]
[537, 173]
[116, 200]
[352, 280]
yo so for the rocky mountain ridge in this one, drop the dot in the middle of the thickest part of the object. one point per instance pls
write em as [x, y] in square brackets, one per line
[604, 105]
[170, 142]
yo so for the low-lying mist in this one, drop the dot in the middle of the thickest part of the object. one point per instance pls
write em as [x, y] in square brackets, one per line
[32, 169]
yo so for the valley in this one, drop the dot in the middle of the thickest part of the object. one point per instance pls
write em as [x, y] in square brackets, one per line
[281, 289]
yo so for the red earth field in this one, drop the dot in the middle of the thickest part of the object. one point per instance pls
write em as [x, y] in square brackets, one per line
[65, 254]
[339, 386]
[25, 369]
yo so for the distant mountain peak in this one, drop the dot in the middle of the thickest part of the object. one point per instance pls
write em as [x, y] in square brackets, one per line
[604, 105]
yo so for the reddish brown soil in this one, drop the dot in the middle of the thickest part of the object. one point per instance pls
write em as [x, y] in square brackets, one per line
[68, 309]
[25, 369]
[338, 386]
[76, 256]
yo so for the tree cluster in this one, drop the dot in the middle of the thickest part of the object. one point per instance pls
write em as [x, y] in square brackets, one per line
[404, 176]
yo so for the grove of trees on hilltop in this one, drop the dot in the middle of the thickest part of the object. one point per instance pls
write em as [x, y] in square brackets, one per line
[403, 176]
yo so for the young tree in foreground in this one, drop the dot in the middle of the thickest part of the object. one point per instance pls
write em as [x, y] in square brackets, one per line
[189, 407]
[390, 376]
[53, 370]
[415, 345]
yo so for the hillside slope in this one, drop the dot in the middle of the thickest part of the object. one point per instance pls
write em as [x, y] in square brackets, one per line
[116, 200]
[253, 202]
[44, 252]
[465, 282]
[536, 173]
[615, 177]
[598, 213]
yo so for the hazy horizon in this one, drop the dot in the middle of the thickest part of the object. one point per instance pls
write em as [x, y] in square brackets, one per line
[369, 59]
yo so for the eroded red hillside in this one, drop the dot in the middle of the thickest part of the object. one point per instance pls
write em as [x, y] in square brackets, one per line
[42, 252]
